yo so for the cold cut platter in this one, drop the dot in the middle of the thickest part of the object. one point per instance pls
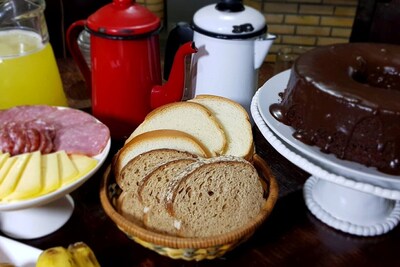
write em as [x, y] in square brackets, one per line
[47, 152]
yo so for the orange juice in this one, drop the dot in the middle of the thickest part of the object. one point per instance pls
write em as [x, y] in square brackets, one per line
[28, 71]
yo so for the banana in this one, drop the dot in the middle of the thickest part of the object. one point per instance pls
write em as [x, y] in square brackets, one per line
[83, 255]
[56, 256]
[76, 255]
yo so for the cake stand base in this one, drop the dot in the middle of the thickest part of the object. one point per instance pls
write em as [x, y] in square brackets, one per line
[38, 221]
[350, 210]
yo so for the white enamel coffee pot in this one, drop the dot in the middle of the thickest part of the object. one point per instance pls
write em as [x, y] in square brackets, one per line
[232, 44]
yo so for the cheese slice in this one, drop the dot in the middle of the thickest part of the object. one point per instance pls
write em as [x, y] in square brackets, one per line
[50, 173]
[68, 171]
[5, 168]
[3, 158]
[12, 177]
[30, 182]
[83, 163]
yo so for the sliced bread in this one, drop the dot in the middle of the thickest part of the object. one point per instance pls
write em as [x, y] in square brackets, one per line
[157, 139]
[129, 206]
[189, 117]
[235, 122]
[214, 198]
[133, 173]
[151, 195]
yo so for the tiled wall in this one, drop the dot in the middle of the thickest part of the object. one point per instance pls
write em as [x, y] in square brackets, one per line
[307, 23]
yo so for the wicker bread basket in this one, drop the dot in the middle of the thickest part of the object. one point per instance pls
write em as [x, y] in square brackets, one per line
[188, 248]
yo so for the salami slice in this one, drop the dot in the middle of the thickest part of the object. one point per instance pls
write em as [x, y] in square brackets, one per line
[45, 128]
[24, 113]
[88, 138]
[61, 118]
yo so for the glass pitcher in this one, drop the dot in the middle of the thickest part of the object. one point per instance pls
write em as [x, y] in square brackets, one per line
[28, 69]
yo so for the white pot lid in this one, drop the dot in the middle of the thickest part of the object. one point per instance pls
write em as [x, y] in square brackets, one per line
[229, 19]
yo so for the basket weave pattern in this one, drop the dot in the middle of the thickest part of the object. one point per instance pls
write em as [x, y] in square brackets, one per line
[189, 248]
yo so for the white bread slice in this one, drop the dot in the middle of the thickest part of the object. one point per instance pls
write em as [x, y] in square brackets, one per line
[215, 198]
[191, 118]
[152, 194]
[235, 122]
[156, 139]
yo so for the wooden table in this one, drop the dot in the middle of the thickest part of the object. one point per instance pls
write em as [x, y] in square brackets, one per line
[291, 236]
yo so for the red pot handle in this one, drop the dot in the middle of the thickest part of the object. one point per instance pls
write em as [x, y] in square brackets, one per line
[72, 36]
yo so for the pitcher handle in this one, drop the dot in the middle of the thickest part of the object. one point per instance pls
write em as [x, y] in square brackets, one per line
[72, 36]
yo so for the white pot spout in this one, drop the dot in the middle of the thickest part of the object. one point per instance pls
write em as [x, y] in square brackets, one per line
[261, 48]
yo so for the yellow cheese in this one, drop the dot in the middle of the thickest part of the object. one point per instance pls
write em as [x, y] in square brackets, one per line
[12, 177]
[3, 158]
[83, 163]
[6, 167]
[30, 182]
[50, 173]
[68, 171]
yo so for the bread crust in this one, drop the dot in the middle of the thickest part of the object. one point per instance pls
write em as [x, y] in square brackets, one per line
[157, 139]
[189, 117]
[235, 122]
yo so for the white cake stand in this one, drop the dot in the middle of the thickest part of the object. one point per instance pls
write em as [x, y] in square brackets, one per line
[345, 195]
[41, 216]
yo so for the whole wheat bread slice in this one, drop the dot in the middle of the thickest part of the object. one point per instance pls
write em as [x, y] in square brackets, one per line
[134, 173]
[151, 195]
[191, 118]
[141, 165]
[130, 207]
[214, 198]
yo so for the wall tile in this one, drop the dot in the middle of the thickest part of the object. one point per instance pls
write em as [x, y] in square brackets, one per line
[281, 29]
[279, 7]
[341, 32]
[336, 21]
[299, 40]
[307, 23]
[331, 40]
[302, 20]
[316, 9]
[313, 30]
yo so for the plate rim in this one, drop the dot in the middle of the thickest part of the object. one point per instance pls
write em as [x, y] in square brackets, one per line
[266, 96]
[64, 190]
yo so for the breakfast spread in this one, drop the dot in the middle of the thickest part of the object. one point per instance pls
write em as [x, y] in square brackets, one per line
[167, 185]
[345, 99]
[43, 148]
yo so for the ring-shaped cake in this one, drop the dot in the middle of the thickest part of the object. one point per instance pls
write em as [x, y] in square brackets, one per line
[345, 99]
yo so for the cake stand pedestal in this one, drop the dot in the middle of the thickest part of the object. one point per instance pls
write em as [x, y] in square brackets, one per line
[39, 221]
[350, 198]
[350, 210]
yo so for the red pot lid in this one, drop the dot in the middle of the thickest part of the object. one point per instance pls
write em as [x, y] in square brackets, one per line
[123, 18]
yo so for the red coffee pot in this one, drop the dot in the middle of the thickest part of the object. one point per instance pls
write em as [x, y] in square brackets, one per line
[125, 75]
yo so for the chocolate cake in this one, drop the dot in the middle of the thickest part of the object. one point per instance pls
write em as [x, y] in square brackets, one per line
[345, 99]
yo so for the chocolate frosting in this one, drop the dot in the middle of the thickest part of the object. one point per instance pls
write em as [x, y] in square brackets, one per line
[346, 99]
